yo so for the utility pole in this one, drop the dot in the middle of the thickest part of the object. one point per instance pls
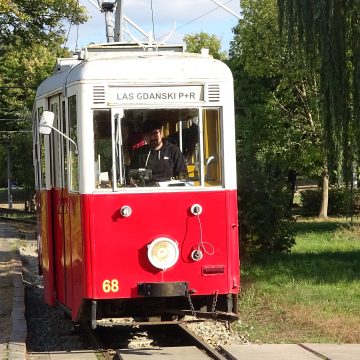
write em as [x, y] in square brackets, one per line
[116, 33]
[119, 21]
[10, 201]
[113, 33]
[108, 7]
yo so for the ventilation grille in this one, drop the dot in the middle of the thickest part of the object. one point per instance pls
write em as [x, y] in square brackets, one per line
[98, 94]
[213, 92]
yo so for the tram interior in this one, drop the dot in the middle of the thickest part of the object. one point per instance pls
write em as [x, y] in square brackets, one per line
[197, 132]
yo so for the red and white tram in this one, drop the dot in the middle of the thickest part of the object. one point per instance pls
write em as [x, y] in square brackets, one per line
[112, 249]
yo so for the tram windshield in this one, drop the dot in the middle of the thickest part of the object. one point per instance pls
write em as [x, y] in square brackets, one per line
[157, 147]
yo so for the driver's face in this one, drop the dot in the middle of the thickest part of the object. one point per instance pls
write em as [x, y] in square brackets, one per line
[154, 138]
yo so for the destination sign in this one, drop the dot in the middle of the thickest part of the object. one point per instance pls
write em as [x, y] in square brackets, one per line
[156, 95]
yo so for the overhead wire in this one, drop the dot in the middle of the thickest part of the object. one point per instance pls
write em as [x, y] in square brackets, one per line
[197, 18]
[152, 18]
[67, 36]
[77, 32]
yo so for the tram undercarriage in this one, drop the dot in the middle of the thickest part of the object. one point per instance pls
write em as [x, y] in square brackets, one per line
[155, 310]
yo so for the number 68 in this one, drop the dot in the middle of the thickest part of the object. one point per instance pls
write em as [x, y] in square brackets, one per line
[110, 285]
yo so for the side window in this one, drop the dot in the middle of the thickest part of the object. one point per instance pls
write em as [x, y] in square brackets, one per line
[73, 161]
[64, 129]
[102, 148]
[41, 155]
[55, 148]
[212, 147]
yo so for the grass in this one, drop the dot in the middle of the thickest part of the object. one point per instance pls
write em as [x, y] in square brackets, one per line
[20, 216]
[309, 295]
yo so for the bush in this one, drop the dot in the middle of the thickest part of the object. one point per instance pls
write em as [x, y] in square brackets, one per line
[263, 209]
[341, 201]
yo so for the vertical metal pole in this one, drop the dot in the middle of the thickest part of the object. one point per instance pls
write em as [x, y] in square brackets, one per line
[93, 314]
[119, 21]
[109, 28]
[9, 175]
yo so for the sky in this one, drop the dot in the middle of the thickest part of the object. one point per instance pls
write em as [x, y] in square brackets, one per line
[189, 17]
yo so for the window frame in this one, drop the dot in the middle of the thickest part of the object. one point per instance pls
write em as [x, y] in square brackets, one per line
[117, 116]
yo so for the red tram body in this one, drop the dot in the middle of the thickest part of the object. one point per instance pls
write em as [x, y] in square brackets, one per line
[111, 249]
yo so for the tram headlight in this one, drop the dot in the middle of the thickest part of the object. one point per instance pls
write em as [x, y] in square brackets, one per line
[163, 253]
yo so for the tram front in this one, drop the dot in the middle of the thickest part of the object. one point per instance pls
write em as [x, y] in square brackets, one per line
[141, 244]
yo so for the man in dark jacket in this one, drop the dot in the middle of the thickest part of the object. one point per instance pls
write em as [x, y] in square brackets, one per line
[162, 157]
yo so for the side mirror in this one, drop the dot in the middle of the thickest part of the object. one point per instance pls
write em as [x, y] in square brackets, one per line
[46, 122]
[46, 125]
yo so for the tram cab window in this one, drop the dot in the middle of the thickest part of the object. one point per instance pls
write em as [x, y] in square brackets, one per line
[195, 132]
[211, 147]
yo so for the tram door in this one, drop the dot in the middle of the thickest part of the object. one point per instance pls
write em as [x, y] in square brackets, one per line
[62, 252]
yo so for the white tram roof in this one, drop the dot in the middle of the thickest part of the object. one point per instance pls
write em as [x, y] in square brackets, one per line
[132, 64]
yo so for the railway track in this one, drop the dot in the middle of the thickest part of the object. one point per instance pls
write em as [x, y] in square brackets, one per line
[159, 341]
[17, 216]
[201, 344]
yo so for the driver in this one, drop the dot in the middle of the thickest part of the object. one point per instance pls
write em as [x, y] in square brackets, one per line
[162, 157]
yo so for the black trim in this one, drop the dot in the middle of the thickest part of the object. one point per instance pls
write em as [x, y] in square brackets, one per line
[162, 289]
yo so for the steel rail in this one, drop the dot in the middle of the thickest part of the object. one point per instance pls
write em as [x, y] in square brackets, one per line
[95, 340]
[200, 343]
[314, 352]
[18, 221]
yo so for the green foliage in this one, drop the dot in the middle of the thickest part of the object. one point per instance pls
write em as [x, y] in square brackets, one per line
[264, 197]
[278, 126]
[31, 34]
[342, 201]
[263, 212]
[39, 21]
[292, 131]
[327, 33]
[196, 42]
[22, 162]
[255, 39]
[22, 68]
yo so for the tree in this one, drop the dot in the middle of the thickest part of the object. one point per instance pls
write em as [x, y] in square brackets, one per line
[31, 34]
[196, 42]
[292, 105]
[279, 128]
[37, 20]
[22, 69]
[30, 40]
[327, 32]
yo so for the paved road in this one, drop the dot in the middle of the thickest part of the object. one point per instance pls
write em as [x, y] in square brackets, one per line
[12, 308]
